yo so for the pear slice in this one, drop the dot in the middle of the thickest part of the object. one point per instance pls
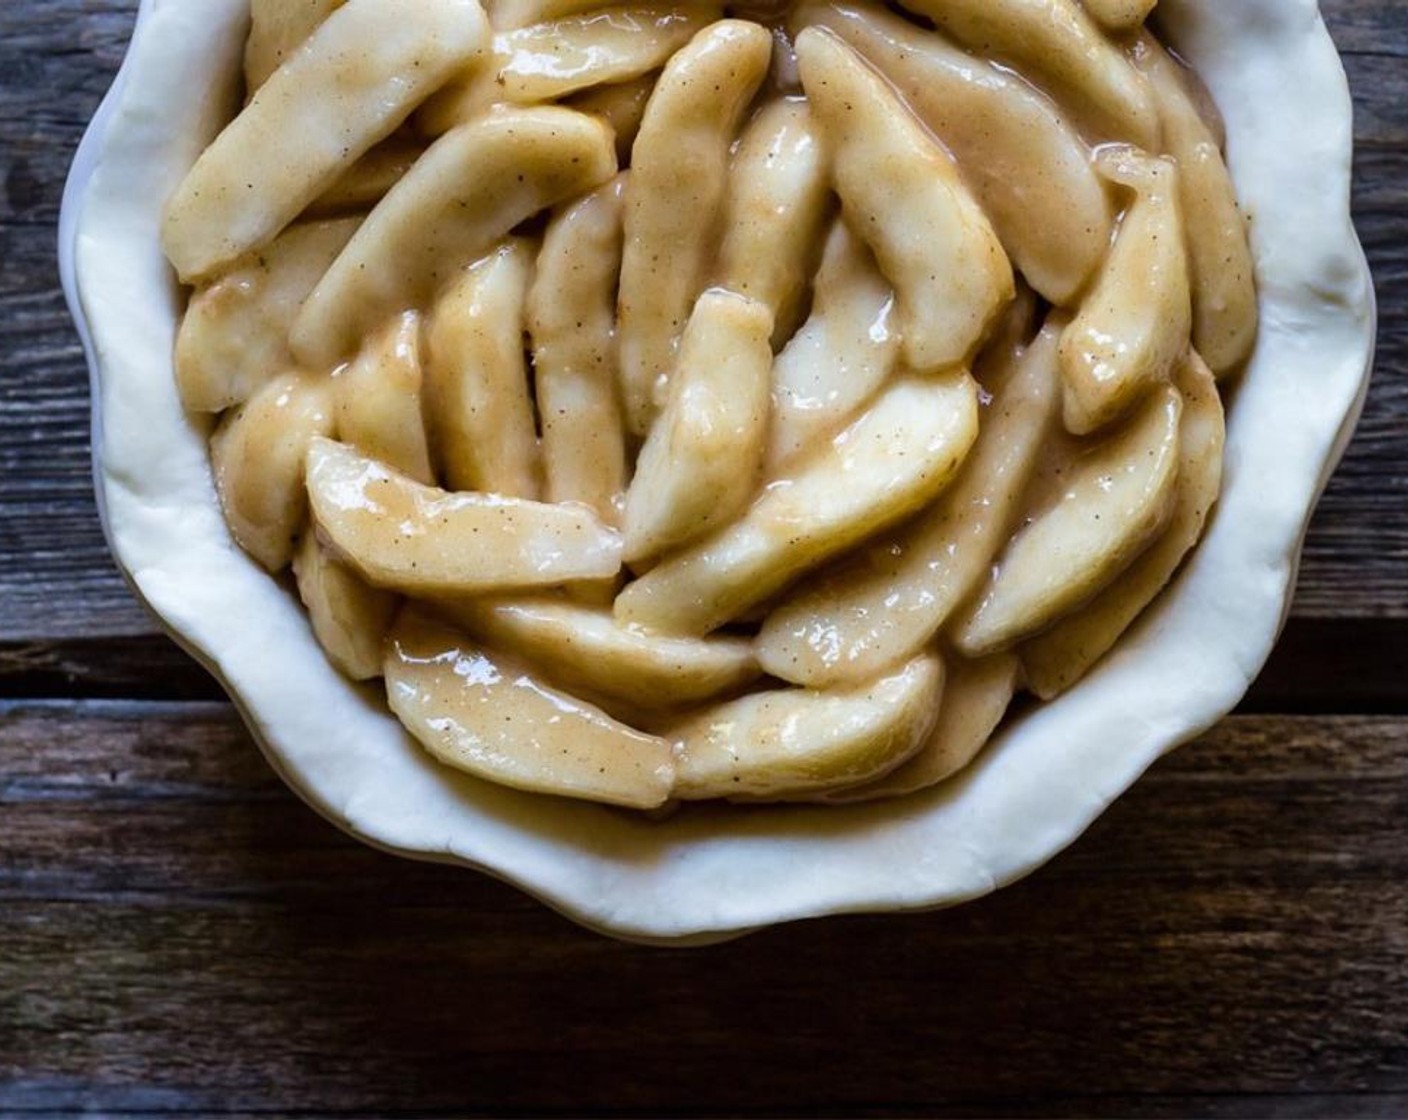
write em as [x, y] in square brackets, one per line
[902, 193]
[1056, 45]
[1116, 500]
[584, 647]
[886, 602]
[1135, 324]
[276, 30]
[571, 318]
[407, 537]
[483, 714]
[234, 335]
[379, 400]
[1024, 161]
[1220, 265]
[367, 181]
[675, 194]
[350, 618]
[844, 353]
[257, 454]
[509, 15]
[344, 90]
[477, 377]
[977, 695]
[776, 745]
[466, 193]
[621, 106]
[1120, 16]
[1061, 656]
[548, 61]
[699, 467]
[894, 460]
[778, 195]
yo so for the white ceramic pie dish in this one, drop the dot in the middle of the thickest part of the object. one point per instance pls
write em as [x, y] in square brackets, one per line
[713, 872]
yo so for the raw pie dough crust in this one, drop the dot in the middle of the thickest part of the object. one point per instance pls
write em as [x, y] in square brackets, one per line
[717, 871]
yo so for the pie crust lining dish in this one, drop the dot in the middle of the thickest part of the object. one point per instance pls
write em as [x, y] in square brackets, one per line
[715, 871]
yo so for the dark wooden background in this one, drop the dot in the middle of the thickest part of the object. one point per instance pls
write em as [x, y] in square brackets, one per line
[178, 934]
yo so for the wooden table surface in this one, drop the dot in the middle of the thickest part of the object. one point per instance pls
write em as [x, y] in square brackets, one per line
[179, 934]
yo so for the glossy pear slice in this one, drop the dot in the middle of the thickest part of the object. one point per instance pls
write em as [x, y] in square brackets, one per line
[1116, 501]
[1220, 265]
[1136, 322]
[784, 743]
[548, 61]
[379, 400]
[778, 193]
[350, 618]
[234, 335]
[976, 696]
[367, 181]
[844, 353]
[679, 170]
[1060, 49]
[483, 714]
[902, 193]
[277, 29]
[1058, 658]
[257, 454]
[571, 318]
[509, 15]
[621, 106]
[348, 87]
[1120, 16]
[584, 647]
[466, 193]
[699, 467]
[407, 537]
[886, 602]
[1028, 167]
[891, 462]
[477, 379]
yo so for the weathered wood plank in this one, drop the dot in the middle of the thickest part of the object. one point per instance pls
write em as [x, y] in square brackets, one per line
[57, 57]
[180, 934]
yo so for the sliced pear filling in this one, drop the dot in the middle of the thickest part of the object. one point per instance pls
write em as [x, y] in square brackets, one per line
[674, 198]
[793, 741]
[1117, 500]
[258, 454]
[903, 195]
[482, 713]
[1025, 161]
[379, 406]
[976, 697]
[548, 61]
[1061, 50]
[700, 464]
[1058, 658]
[890, 462]
[421, 540]
[847, 349]
[888, 600]
[350, 618]
[1136, 323]
[234, 337]
[675, 407]
[585, 647]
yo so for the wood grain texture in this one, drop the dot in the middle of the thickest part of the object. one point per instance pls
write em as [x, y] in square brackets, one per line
[56, 580]
[181, 934]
